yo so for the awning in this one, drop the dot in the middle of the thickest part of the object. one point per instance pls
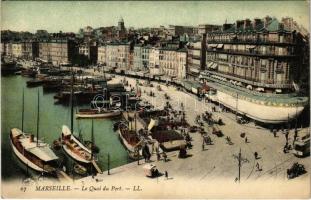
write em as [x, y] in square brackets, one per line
[212, 45]
[210, 64]
[220, 46]
[214, 66]
[250, 46]
[194, 70]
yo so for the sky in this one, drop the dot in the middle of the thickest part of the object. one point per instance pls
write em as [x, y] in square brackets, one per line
[70, 16]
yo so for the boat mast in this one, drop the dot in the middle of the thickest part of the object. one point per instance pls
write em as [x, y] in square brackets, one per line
[236, 106]
[71, 104]
[23, 111]
[92, 144]
[38, 119]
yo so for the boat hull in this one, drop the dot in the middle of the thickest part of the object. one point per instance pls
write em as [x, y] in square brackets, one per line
[73, 156]
[98, 115]
[25, 160]
[128, 146]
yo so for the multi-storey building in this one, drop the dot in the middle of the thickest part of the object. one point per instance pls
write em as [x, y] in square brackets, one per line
[138, 62]
[154, 61]
[154, 54]
[204, 28]
[84, 49]
[145, 56]
[25, 49]
[8, 49]
[3, 50]
[102, 55]
[30, 49]
[197, 49]
[89, 50]
[17, 50]
[196, 58]
[258, 53]
[173, 62]
[252, 66]
[57, 51]
[180, 30]
[118, 55]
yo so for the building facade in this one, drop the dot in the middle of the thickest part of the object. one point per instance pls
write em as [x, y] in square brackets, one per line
[30, 50]
[173, 62]
[196, 58]
[17, 50]
[138, 60]
[180, 30]
[102, 56]
[57, 51]
[258, 54]
[118, 55]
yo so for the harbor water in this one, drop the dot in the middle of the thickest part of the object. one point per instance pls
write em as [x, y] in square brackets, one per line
[51, 119]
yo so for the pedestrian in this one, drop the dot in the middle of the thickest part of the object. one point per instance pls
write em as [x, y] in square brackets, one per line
[158, 156]
[246, 140]
[286, 135]
[257, 166]
[285, 149]
[256, 155]
[203, 146]
[164, 156]
[274, 132]
[295, 136]
[166, 175]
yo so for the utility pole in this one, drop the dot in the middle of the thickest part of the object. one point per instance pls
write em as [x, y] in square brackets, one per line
[241, 160]
[240, 165]
[108, 164]
[236, 107]
[137, 156]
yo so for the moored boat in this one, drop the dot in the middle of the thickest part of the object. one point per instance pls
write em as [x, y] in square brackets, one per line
[74, 148]
[34, 83]
[32, 152]
[130, 140]
[97, 113]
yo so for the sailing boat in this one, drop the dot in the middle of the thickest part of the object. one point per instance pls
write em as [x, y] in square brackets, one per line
[71, 144]
[34, 153]
[98, 112]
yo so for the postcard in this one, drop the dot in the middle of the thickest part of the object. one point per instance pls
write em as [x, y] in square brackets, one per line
[155, 99]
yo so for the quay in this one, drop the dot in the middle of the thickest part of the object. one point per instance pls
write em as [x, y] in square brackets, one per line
[216, 161]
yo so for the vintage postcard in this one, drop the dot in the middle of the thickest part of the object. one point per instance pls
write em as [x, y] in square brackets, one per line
[155, 99]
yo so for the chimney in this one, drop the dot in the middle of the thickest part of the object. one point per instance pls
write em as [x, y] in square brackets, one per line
[239, 23]
[257, 22]
[247, 23]
[226, 27]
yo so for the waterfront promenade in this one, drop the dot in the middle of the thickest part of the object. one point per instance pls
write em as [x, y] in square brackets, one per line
[217, 161]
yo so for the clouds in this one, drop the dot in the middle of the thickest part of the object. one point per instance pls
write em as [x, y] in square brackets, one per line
[71, 15]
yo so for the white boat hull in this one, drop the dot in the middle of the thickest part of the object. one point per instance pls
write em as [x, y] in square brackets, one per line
[26, 161]
[100, 115]
[273, 114]
[74, 156]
